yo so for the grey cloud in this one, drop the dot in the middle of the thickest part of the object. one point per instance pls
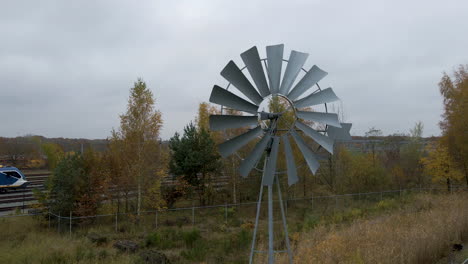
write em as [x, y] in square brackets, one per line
[66, 67]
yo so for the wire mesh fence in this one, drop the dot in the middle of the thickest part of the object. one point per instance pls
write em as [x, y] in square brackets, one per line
[230, 214]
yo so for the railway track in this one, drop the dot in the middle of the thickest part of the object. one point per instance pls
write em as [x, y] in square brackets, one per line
[24, 198]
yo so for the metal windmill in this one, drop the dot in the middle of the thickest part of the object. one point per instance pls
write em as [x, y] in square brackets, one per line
[299, 95]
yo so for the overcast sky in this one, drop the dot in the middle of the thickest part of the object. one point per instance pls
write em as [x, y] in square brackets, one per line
[66, 67]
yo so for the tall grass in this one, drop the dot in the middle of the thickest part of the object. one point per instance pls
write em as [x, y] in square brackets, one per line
[421, 232]
[24, 241]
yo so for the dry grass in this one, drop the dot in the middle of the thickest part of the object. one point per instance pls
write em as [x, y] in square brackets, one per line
[421, 232]
[23, 241]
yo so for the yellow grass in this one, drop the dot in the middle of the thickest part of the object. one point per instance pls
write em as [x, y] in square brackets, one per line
[422, 232]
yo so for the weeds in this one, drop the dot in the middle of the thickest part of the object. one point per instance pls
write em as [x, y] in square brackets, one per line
[418, 232]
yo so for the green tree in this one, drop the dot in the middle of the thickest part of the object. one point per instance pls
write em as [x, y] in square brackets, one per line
[136, 144]
[194, 157]
[78, 184]
[54, 154]
[411, 154]
[454, 125]
[66, 183]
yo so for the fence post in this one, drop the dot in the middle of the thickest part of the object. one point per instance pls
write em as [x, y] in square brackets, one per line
[225, 212]
[286, 207]
[312, 202]
[156, 219]
[116, 219]
[70, 223]
[58, 224]
[336, 203]
[193, 216]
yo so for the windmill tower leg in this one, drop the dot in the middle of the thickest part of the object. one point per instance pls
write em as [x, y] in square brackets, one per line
[271, 253]
[254, 237]
[257, 216]
[285, 225]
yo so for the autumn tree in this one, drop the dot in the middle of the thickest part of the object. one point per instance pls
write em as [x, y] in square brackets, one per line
[136, 142]
[440, 166]
[454, 125]
[373, 135]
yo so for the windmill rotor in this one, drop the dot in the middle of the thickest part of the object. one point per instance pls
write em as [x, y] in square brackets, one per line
[266, 80]
[273, 84]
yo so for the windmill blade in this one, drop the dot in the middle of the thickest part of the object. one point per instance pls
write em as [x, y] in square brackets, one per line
[324, 118]
[275, 63]
[291, 165]
[230, 146]
[324, 141]
[314, 75]
[340, 133]
[322, 97]
[270, 171]
[249, 162]
[221, 122]
[295, 63]
[306, 152]
[253, 63]
[224, 97]
[234, 75]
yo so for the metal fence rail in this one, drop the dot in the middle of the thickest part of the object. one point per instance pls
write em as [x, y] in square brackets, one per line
[189, 213]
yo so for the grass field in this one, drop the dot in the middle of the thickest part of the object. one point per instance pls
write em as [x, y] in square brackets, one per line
[414, 228]
[422, 231]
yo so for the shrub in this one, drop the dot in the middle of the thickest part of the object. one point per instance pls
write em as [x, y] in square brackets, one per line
[163, 239]
[190, 237]
[311, 221]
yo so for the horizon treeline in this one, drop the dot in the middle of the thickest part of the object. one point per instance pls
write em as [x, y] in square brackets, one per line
[137, 171]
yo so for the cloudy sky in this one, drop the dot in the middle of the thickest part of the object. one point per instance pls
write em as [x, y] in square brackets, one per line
[66, 67]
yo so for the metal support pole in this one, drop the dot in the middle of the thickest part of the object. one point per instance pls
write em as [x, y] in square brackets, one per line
[285, 225]
[116, 221]
[271, 253]
[336, 203]
[225, 213]
[285, 206]
[312, 202]
[156, 219]
[259, 204]
[193, 216]
[70, 223]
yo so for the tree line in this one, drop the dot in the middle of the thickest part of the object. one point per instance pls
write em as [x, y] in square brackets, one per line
[127, 176]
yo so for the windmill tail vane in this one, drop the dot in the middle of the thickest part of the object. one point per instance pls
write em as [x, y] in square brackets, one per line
[300, 95]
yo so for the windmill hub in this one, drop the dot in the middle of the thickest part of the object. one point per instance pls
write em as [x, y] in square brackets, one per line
[277, 107]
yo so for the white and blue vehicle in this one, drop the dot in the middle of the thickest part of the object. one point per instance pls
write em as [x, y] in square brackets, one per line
[11, 178]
